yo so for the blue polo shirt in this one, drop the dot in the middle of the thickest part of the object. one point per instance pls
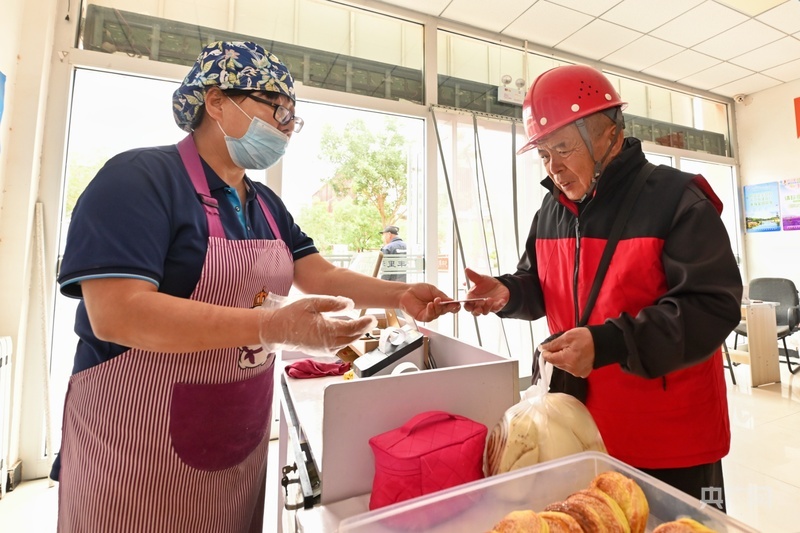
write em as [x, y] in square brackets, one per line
[140, 218]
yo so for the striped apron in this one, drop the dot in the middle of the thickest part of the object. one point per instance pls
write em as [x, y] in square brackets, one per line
[177, 442]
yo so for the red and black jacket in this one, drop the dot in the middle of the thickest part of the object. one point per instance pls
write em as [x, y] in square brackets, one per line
[670, 297]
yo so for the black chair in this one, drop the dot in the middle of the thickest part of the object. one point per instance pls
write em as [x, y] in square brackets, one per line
[729, 366]
[787, 314]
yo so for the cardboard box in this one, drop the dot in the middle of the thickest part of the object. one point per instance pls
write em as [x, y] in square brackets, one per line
[364, 345]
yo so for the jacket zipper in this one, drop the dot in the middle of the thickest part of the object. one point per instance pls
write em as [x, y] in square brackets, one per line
[577, 268]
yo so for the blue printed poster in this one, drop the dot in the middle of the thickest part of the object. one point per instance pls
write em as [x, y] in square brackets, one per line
[762, 207]
[790, 204]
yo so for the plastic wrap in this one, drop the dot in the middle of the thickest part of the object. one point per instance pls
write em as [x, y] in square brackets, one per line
[542, 426]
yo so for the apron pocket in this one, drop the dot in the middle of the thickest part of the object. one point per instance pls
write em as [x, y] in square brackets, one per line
[214, 426]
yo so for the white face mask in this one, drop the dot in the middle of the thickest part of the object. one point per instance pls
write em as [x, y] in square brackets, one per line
[260, 147]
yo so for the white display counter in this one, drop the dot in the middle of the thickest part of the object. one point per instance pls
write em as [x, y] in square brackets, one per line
[326, 422]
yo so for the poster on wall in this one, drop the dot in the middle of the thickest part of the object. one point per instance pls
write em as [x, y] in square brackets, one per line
[762, 207]
[790, 204]
[797, 115]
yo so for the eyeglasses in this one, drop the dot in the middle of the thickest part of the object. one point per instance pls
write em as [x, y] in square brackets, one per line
[282, 115]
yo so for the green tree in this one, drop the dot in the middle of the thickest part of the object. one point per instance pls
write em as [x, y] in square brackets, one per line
[317, 222]
[356, 225]
[80, 171]
[343, 223]
[371, 167]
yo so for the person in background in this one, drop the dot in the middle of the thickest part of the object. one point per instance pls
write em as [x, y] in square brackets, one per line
[650, 352]
[393, 244]
[167, 416]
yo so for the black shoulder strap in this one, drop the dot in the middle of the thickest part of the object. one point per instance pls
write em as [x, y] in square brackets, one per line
[613, 238]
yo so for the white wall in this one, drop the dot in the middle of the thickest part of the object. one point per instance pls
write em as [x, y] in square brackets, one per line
[25, 57]
[769, 150]
[9, 47]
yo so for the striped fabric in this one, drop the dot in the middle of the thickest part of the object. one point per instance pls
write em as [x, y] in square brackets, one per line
[121, 469]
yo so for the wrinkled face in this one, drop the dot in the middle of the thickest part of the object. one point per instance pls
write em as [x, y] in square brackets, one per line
[568, 161]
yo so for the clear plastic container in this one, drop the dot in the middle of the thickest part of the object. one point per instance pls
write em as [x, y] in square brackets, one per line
[477, 506]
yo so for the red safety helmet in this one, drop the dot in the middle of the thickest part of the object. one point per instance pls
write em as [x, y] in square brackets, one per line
[561, 96]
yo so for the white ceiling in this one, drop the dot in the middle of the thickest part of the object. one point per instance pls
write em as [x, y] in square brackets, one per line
[728, 47]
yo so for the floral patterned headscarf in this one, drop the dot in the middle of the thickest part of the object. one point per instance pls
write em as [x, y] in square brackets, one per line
[229, 65]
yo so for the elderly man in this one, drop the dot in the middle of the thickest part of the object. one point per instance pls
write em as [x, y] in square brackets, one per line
[649, 350]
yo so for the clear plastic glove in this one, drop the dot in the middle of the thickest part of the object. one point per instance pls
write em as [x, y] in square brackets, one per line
[302, 325]
[424, 302]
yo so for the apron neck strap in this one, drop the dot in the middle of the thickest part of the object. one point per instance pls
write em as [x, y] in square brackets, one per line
[191, 160]
[273, 225]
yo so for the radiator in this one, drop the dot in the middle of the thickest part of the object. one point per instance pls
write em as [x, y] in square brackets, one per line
[5, 408]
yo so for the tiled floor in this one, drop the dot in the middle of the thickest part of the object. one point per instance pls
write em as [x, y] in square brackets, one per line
[762, 471]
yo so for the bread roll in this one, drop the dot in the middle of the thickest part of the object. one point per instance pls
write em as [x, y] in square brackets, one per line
[513, 443]
[559, 438]
[566, 427]
[594, 510]
[683, 525]
[521, 522]
[541, 427]
[628, 495]
[561, 522]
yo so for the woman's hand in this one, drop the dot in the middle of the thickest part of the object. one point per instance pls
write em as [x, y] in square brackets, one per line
[424, 302]
[301, 325]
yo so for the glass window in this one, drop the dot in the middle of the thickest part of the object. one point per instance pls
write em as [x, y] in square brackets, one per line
[349, 174]
[659, 104]
[472, 72]
[712, 118]
[491, 210]
[671, 118]
[721, 178]
[659, 159]
[323, 44]
[467, 59]
[538, 64]
[635, 93]
[682, 109]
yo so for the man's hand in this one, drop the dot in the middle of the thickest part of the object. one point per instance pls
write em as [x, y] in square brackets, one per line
[572, 352]
[496, 294]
